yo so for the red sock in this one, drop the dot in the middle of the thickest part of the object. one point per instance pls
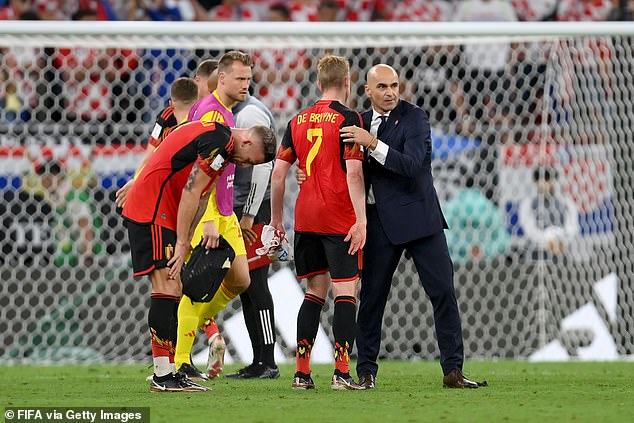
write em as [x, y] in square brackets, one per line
[211, 328]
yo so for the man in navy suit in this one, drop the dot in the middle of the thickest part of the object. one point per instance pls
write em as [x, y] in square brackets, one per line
[403, 214]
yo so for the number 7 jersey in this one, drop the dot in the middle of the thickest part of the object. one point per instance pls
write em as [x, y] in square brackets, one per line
[312, 137]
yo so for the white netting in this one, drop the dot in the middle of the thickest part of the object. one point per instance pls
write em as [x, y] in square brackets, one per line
[503, 101]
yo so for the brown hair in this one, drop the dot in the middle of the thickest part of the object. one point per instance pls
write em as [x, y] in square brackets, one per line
[184, 90]
[206, 67]
[232, 56]
[267, 135]
[332, 72]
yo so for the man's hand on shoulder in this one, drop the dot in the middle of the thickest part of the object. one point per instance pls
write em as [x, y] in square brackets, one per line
[354, 134]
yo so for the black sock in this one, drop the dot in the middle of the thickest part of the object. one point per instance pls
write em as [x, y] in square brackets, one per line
[162, 330]
[343, 330]
[307, 327]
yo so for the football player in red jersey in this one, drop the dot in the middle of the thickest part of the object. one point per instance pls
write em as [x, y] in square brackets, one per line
[183, 94]
[330, 221]
[163, 207]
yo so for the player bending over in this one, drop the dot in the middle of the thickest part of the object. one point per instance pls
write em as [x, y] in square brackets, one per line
[163, 207]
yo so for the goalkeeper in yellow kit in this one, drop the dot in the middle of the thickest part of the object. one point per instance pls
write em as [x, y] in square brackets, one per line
[234, 76]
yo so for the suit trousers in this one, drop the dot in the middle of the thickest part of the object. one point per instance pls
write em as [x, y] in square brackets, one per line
[435, 269]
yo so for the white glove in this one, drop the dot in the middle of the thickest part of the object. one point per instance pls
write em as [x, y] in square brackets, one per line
[274, 245]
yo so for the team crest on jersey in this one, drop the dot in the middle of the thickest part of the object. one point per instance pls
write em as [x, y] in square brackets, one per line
[169, 251]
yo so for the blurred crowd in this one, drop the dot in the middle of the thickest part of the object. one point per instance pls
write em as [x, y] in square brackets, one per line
[320, 10]
[490, 93]
[123, 85]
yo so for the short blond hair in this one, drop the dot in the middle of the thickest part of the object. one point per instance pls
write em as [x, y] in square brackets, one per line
[230, 57]
[332, 72]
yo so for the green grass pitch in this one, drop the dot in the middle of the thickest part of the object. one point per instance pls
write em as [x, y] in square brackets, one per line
[406, 392]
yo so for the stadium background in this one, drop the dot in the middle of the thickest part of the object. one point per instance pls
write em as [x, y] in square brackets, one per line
[564, 101]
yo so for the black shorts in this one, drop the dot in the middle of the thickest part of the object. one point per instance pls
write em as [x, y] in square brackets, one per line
[316, 254]
[151, 246]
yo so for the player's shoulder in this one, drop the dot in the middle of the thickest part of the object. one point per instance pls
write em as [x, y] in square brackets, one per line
[167, 111]
[343, 109]
[254, 102]
[413, 118]
[166, 116]
[408, 109]
[222, 127]
[212, 131]
[253, 114]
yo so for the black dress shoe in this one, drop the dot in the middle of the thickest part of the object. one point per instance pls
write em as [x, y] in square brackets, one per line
[455, 379]
[367, 381]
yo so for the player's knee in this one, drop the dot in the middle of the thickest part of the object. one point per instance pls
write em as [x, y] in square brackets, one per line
[238, 279]
[244, 281]
[345, 288]
[162, 284]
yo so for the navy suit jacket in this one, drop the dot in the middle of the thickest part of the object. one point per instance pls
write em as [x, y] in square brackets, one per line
[406, 201]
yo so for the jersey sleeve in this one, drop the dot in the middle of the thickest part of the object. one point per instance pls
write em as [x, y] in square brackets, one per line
[165, 121]
[213, 148]
[287, 150]
[351, 151]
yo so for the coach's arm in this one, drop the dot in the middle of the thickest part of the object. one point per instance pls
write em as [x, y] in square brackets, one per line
[406, 153]
[187, 210]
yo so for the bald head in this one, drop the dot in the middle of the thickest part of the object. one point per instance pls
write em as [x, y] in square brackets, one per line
[380, 70]
[382, 88]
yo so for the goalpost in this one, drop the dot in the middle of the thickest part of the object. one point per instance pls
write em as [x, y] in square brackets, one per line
[508, 103]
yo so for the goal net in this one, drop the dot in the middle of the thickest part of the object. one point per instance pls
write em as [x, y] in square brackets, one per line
[532, 160]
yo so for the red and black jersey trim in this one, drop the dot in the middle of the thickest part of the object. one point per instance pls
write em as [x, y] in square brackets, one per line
[350, 118]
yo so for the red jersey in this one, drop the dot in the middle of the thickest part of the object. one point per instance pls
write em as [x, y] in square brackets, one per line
[157, 191]
[165, 123]
[312, 137]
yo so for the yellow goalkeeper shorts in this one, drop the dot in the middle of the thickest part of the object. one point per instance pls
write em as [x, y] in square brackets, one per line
[229, 228]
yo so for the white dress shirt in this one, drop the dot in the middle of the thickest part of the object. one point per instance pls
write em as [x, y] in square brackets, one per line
[380, 151]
